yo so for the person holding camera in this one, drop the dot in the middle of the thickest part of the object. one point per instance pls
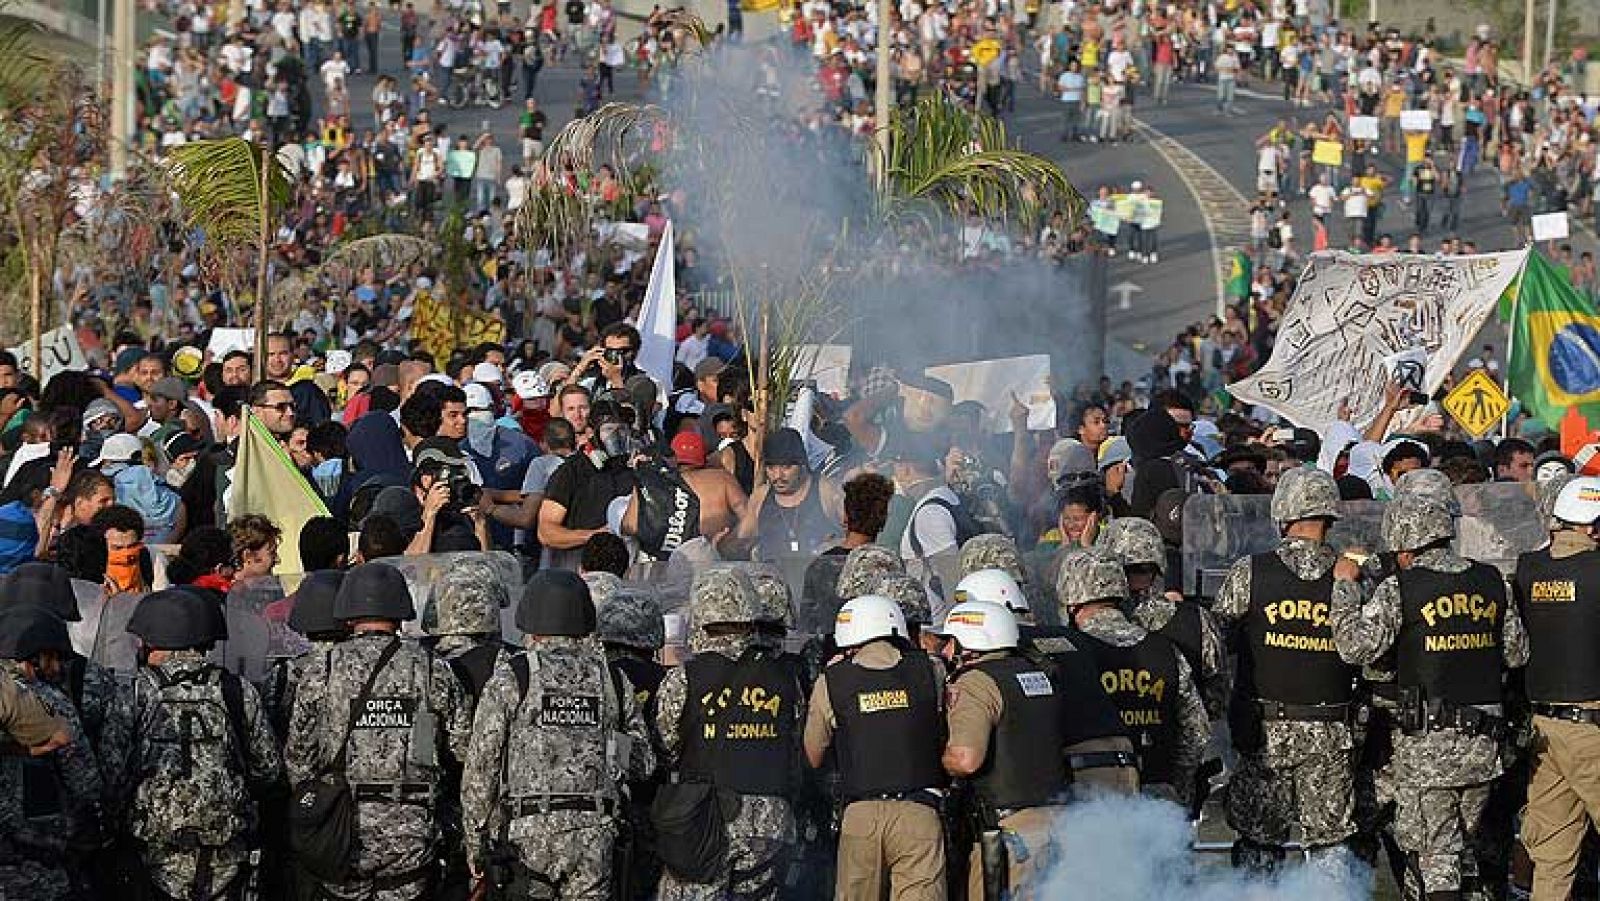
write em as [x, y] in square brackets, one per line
[451, 517]
[609, 366]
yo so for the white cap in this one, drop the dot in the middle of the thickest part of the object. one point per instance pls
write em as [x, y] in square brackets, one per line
[119, 448]
[529, 385]
[338, 361]
[478, 397]
[487, 373]
[439, 377]
[1136, 186]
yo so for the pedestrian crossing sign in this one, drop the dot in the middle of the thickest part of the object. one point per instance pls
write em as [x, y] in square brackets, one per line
[1477, 403]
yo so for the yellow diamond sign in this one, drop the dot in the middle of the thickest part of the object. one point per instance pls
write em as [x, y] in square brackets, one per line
[1477, 403]
[985, 51]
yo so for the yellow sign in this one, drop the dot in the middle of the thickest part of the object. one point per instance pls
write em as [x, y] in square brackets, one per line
[1477, 403]
[1327, 153]
[442, 328]
[985, 51]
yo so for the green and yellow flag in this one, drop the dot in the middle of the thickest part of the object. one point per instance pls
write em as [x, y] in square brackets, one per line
[1555, 346]
[1239, 276]
[265, 481]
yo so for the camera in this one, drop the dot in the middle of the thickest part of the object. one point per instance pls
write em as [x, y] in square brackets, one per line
[463, 493]
[614, 355]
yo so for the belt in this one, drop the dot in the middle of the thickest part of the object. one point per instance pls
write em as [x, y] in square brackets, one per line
[542, 804]
[1095, 760]
[1317, 713]
[927, 797]
[1438, 715]
[1571, 713]
[389, 791]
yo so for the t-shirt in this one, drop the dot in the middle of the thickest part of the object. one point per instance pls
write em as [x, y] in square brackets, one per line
[586, 491]
[1071, 86]
[1322, 197]
[1227, 67]
[536, 480]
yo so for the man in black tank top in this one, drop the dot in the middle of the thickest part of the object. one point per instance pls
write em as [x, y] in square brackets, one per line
[1290, 711]
[793, 519]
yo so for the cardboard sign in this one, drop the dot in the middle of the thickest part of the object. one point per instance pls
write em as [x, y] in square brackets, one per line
[826, 364]
[1416, 120]
[1328, 153]
[59, 349]
[227, 340]
[1550, 226]
[1364, 128]
[993, 383]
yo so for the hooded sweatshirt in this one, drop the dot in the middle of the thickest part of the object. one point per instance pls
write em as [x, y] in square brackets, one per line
[1153, 438]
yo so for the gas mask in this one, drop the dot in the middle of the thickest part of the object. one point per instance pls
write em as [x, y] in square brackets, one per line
[617, 439]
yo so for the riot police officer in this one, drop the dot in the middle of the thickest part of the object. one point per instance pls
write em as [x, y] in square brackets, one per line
[1291, 708]
[1557, 593]
[878, 707]
[1445, 620]
[631, 630]
[202, 753]
[465, 619]
[391, 741]
[1005, 728]
[1144, 674]
[748, 748]
[553, 739]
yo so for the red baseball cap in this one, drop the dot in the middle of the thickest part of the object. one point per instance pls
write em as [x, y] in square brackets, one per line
[689, 449]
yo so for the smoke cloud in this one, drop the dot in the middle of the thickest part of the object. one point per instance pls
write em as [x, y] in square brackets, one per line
[1138, 849]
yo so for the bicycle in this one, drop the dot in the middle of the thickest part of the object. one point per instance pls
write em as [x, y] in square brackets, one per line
[474, 87]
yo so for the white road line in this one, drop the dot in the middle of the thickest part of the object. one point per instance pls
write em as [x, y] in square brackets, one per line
[1222, 207]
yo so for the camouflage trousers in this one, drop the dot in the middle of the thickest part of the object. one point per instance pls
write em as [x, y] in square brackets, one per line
[568, 853]
[1439, 828]
[397, 853]
[761, 844]
[1265, 799]
[34, 881]
[189, 873]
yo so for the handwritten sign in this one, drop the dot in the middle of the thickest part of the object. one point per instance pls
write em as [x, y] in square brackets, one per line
[59, 351]
[1328, 153]
[1364, 128]
[1350, 315]
[1416, 120]
[1550, 226]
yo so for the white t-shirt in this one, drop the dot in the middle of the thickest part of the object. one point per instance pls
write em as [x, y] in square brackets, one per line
[1322, 197]
[1355, 204]
[1117, 64]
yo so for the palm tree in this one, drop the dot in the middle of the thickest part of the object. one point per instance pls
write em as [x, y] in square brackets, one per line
[233, 191]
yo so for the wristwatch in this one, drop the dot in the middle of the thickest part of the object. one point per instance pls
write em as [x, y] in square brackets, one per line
[50, 491]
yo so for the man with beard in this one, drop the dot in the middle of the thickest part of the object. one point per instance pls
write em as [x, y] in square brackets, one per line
[797, 515]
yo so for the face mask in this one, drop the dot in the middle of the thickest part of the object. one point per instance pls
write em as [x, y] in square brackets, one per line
[480, 432]
[617, 439]
[176, 476]
[122, 568]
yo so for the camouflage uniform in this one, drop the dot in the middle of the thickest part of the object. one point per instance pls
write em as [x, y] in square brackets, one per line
[762, 833]
[909, 595]
[192, 807]
[397, 837]
[996, 551]
[603, 586]
[1440, 778]
[1136, 542]
[863, 567]
[631, 628]
[1303, 771]
[514, 757]
[34, 861]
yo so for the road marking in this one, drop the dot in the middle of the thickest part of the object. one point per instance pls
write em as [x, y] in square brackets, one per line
[1222, 207]
[1124, 292]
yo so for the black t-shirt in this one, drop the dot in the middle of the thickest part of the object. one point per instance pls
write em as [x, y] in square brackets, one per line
[586, 491]
[575, 12]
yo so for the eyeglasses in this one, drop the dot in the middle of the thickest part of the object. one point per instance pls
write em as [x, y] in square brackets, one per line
[282, 407]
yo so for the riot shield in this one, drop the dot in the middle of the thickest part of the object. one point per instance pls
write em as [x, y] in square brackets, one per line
[1499, 521]
[423, 570]
[671, 579]
[91, 600]
[254, 610]
[1218, 529]
[818, 602]
[111, 644]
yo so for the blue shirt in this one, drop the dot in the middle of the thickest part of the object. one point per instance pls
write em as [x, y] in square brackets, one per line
[19, 535]
[1519, 192]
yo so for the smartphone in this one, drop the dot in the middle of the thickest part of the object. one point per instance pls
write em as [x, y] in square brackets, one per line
[1416, 398]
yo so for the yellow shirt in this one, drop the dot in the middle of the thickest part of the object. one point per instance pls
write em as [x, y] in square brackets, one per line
[1089, 54]
[1373, 185]
[1393, 103]
[1416, 146]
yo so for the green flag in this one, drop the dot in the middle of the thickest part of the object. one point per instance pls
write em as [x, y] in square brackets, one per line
[265, 481]
[1239, 275]
[1555, 346]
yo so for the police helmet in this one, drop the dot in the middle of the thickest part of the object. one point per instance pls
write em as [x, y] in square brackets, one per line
[1304, 493]
[772, 596]
[27, 629]
[1413, 522]
[374, 591]
[911, 597]
[632, 618]
[1430, 484]
[995, 586]
[981, 626]
[313, 603]
[1090, 575]
[723, 595]
[1549, 491]
[868, 617]
[1134, 542]
[603, 586]
[1578, 503]
[992, 551]
[40, 584]
[467, 599]
[556, 602]
[863, 567]
[174, 620]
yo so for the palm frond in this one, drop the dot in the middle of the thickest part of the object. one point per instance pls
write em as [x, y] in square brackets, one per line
[25, 70]
[614, 135]
[219, 182]
[385, 251]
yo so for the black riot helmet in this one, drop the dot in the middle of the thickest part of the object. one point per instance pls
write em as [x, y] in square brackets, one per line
[27, 629]
[556, 602]
[374, 591]
[40, 584]
[177, 620]
[313, 604]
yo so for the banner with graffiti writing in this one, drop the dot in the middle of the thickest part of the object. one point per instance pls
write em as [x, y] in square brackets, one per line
[1351, 315]
[442, 327]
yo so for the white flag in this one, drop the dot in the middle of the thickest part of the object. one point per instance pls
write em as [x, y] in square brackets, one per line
[1350, 315]
[658, 320]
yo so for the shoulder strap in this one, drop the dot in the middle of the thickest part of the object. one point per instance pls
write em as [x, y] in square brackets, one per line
[233, 701]
[77, 666]
[519, 669]
[389, 650]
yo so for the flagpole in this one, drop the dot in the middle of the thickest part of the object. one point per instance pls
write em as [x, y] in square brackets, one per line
[1511, 337]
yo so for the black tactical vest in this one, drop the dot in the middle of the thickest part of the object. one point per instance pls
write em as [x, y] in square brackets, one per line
[1142, 681]
[1088, 713]
[1287, 654]
[645, 676]
[1559, 601]
[1183, 630]
[890, 733]
[1449, 641]
[739, 724]
[1025, 766]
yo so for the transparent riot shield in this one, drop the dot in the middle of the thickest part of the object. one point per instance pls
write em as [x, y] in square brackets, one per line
[112, 646]
[255, 610]
[1499, 521]
[423, 570]
[1219, 529]
[671, 579]
[91, 600]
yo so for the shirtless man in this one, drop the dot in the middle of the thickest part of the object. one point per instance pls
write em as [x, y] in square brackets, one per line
[722, 501]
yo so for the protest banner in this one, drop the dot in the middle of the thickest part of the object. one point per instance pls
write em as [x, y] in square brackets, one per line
[1416, 120]
[1328, 153]
[993, 383]
[1364, 128]
[1550, 226]
[59, 350]
[442, 328]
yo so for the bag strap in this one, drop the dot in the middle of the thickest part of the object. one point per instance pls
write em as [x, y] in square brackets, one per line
[233, 701]
[389, 650]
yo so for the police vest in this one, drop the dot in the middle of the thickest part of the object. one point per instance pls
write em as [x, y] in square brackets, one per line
[1287, 654]
[1142, 681]
[394, 733]
[1024, 766]
[1183, 630]
[1088, 713]
[740, 728]
[475, 665]
[890, 733]
[1449, 640]
[645, 676]
[560, 739]
[1559, 601]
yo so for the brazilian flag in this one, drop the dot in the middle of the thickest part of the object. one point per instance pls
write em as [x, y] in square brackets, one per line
[1555, 352]
[1239, 275]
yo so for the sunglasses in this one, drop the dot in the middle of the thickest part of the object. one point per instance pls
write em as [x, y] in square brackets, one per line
[282, 406]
